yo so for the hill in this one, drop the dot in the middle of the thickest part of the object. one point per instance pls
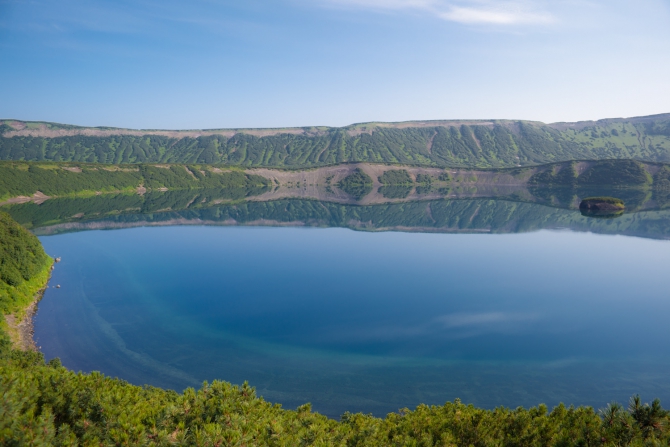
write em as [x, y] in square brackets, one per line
[474, 144]
[66, 179]
[364, 183]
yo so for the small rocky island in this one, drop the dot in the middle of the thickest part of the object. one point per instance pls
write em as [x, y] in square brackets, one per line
[602, 206]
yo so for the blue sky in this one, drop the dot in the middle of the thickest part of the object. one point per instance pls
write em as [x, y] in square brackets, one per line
[253, 63]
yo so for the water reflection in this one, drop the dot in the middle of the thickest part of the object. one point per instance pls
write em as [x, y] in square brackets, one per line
[363, 321]
[493, 210]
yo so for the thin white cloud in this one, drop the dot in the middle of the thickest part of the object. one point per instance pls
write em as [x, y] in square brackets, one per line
[498, 16]
[387, 4]
[511, 12]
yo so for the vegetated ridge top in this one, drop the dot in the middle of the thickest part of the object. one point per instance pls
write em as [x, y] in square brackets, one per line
[50, 129]
[458, 143]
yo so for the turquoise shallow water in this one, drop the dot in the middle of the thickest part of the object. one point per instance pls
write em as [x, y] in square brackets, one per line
[359, 321]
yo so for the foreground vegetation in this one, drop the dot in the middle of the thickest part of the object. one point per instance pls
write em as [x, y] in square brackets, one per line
[484, 144]
[44, 404]
[24, 270]
[49, 405]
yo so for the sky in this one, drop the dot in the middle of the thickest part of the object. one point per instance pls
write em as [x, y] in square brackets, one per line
[199, 64]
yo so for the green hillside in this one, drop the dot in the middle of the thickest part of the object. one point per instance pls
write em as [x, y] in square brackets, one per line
[24, 269]
[24, 179]
[496, 143]
[561, 179]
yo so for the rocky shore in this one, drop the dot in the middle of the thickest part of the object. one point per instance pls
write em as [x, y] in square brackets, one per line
[22, 330]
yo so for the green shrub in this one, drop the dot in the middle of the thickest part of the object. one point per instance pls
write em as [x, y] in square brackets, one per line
[357, 184]
[395, 177]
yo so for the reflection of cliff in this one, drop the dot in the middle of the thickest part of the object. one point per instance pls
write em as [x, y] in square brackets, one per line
[463, 215]
[557, 184]
[77, 209]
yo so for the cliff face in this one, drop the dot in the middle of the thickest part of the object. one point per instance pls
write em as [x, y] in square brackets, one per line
[474, 144]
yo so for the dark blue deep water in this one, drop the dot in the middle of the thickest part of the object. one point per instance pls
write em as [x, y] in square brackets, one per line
[365, 321]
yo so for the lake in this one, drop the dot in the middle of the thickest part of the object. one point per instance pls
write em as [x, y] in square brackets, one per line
[544, 311]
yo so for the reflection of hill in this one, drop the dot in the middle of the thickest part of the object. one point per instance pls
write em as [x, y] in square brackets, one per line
[442, 215]
[77, 209]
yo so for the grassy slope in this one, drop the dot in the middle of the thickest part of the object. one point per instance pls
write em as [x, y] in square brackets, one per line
[473, 144]
[70, 179]
[24, 270]
[24, 179]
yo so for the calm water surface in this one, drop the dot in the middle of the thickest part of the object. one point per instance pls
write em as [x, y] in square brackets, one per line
[364, 321]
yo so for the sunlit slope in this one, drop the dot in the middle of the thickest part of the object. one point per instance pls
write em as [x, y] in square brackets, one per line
[24, 269]
[494, 143]
[21, 181]
[47, 179]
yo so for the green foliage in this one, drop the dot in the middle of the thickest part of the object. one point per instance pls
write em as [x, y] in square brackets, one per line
[484, 145]
[80, 209]
[23, 265]
[357, 184]
[561, 175]
[395, 177]
[397, 183]
[662, 178]
[615, 172]
[424, 179]
[21, 254]
[395, 191]
[4, 128]
[24, 179]
[51, 406]
[444, 177]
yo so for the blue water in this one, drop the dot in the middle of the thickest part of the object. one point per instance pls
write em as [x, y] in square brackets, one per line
[359, 321]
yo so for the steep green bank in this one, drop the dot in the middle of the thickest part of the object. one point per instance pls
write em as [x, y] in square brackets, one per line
[24, 179]
[24, 270]
[481, 144]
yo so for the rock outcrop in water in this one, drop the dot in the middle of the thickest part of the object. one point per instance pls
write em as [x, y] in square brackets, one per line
[607, 207]
[602, 204]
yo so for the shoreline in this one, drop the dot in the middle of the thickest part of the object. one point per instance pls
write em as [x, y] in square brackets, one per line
[22, 333]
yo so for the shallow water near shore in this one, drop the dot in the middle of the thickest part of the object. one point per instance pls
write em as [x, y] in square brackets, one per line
[365, 321]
